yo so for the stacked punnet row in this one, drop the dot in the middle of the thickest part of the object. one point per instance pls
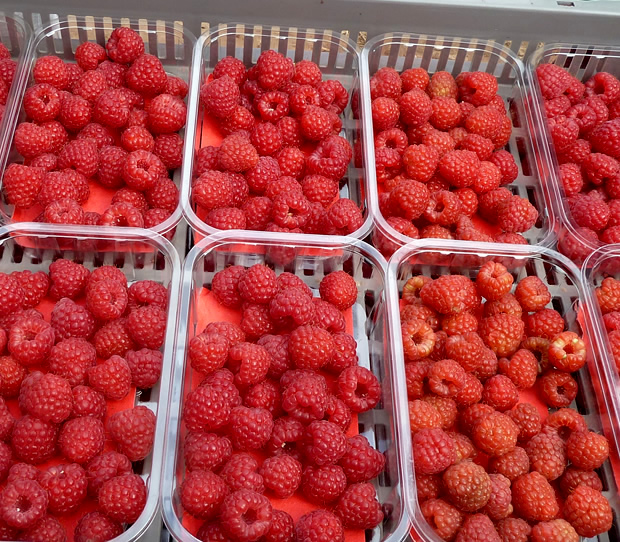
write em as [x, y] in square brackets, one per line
[286, 382]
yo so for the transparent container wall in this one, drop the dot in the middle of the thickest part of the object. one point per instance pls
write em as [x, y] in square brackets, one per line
[456, 55]
[369, 322]
[139, 258]
[168, 41]
[568, 298]
[338, 59]
[15, 36]
[582, 61]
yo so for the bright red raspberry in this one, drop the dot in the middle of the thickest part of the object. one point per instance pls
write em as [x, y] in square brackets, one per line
[330, 158]
[206, 451]
[104, 467]
[339, 289]
[324, 443]
[147, 326]
[257, 285]
[282, 475]
[47, 529]
[558, 389]
[521, 368]
[113, 339]
[23, 503]
[527, 419]
[237, 154]
[68, 279]
[250, 428]
[499, 505]
[145, 293]
[386, 82]
[89, 55]
[81, 439]
[446, 113]
[433, 451]
[415, 108]
[88, 402]
[51, 70]
[133, 431]
[305, 398]
[239, 506]
[478, 527]
[574, 477]
[359, 389]
[11, 375]
[324, 484]
[30, 340]
[319, 526]
[123, 498]
[493, 281]
[112, 378]
[124, 45]
[516, 214]
[241, 472]
[22, 184]
[12, 295]
[146, 75]
[33, 440]
[142, 170]
[587, 450]
[106, 299]
[358, 507]
[66, 486]
[410, 199]
[502, 333]
[444, 518]
[46, 396]
[588, 511]
[96, 527]
[361, 462]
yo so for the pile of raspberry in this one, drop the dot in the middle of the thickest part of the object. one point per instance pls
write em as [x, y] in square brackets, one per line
[608, 297]
[439, 157]
[7, 72]
[60, 448]
[585, 130]
[281, 162]
[272, 414]
[491, 465]
[111, 118]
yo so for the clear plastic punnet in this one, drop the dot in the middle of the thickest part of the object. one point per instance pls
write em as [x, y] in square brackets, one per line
[455, 55]
[602, 263]
[140, 255]
[15, 35]
[582, 61]
[168, 41]
[338, 59]
[310, 259]
[597, 394]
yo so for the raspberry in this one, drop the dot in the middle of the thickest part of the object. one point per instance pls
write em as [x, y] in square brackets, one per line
[319, 526]
[81, 439]
[433, 451]
[428, 486]
[527, 419]
[344, 217]
[547, 453]
[23, 470]
[502, 333]
[324, 443]
[6, 421]
[468, 486]
[68, 279]
[544, 507]
[89, 87]
[51, 70]
[282, 475]
[512, 464]
[478, 527]
[96, 527]
[445, 378]
[587, 450]
[22, 184]
[142, 169]
[133, 431]
[236, 510]
[574, 477]
[450, 294]
[488, 367]
[31, 140]
[250, 428]
[206, 451]
[521, 369]
[66, 486]
[323, 484]
[605, 86]
[590, 212]
[478, 88]
[588, 511]
[255, 320]
[12, 295]
[359, 389]
[241, 472]
[124, 45]
[30, 340]
[113, 339]
[146, 293]
[385, 114]
[106, 299]
[46, 396]
[446, 113]
[330, 158]
[305, 398]
[22, 503]
[567, 352]
[500, 393]
[42, 102]
[557, 529]
[123, 498]
[282, 527]
[64, 211]
[232, 67]
[386, 82]
[147, 326]
[358, 507]
[608, 295]
[516, 215]
[33, 440]
[558, 389]
[470, 393]
[89, 55]
[442, 84]
[494, 281]
[499, 505]
[361, 462]
[112, 378]
[11, 375]
[88, 402]
[495, 434]
[414, 78]
[334, 97]
[47, 529]
[547, 323]
[410, 199]
[220, 96]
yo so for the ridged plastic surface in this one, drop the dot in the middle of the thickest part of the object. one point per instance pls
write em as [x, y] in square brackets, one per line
[455, 55]
[139, 257]
[311, 262]
[568, 296]
[169, 42]
[338, 59]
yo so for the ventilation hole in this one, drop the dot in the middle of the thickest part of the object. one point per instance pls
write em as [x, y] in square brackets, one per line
[18, 254]
[523, 157]
[308, 272]
[557, 304]
[138, 467]
[566, 3]
[369, 300]
[580, 401]
[160, 262]
[601, 475]
[145, 395]
[550, 274]
[209, 265]
[367, 270]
